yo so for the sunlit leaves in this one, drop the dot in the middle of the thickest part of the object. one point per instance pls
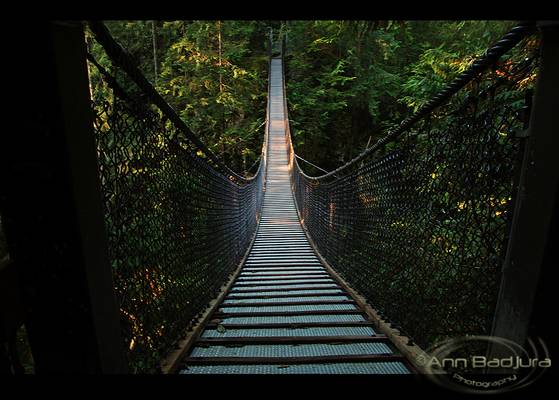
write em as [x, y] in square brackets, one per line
[219, 89]
[365, 76]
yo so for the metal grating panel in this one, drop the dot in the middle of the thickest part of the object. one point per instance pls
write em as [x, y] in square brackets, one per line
[308, 307]
[322, 369]
[287, 287]
[288, 268]
[294, 274]
[245, 278]
[284, 281]
[293, 292]
[291, 350]
[280, 319]
[286, 299]
[277, 332]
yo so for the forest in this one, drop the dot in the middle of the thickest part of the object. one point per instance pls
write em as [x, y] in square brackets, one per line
[348, 82]
[419, 224]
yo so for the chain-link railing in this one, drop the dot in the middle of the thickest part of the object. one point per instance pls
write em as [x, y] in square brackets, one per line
[418, 223]
[178, 221]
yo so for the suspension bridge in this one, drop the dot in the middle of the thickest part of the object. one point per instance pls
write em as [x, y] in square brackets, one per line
[185, 266]
[285, 312]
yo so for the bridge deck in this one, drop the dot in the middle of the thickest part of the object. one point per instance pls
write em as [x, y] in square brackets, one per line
[284, 313]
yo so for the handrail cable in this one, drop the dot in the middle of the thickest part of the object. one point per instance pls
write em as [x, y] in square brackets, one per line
[310, 163]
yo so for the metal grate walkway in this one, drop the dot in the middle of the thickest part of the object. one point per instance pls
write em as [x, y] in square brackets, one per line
[284, 313]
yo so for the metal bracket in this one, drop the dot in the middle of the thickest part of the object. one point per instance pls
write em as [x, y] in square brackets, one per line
[522, 133]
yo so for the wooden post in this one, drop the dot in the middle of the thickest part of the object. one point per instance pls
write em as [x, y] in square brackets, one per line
[51, 204]
[537, 189]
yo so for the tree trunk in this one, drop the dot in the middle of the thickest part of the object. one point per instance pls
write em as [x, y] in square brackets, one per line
[219, 54]
[220, 78]
[154, 41]
[183, 31]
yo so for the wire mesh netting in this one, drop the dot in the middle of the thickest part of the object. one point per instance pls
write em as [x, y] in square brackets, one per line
[419, 226]
[177, 223]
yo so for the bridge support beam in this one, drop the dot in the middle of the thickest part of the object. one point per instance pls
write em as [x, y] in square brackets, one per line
[51, 204]
[530, 245]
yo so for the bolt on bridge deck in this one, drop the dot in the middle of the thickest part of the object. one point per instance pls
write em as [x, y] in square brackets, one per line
[285, 313]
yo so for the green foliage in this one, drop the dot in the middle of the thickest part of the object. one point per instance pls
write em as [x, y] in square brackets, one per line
[446, 54]
[213, 73]
[220, 95]
[349, 81]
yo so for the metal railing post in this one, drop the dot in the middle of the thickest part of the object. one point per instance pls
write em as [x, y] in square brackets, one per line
[54, 217]
[539, 178]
